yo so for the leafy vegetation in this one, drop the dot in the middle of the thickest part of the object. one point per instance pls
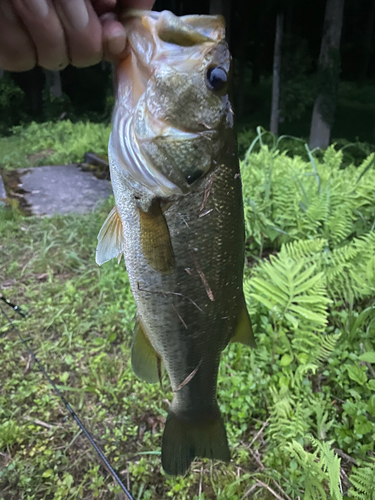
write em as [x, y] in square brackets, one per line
[53, 143]
[299, 410]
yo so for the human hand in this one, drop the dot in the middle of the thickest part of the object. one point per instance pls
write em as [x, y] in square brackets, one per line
[55, 33]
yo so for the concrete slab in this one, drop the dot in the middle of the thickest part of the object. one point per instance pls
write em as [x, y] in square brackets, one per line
[62, 189]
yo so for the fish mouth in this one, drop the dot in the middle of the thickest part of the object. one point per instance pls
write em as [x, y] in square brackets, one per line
[184, 31]
[157, 37]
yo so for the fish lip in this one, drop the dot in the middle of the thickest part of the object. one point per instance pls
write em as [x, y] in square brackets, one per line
[184, 134]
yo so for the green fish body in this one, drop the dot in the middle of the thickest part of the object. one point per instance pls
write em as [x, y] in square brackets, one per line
[178, 220]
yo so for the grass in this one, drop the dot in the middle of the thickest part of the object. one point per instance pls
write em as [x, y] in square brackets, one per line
[52, 143]
[79, 324]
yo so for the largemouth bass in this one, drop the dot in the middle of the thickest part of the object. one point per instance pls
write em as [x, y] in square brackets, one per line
[178, 219]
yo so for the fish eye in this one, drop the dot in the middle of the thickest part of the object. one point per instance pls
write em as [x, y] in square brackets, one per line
[217, 78]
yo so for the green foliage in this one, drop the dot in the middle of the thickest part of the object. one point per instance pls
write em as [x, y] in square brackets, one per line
[310, 290]
[363, 481]
[353, 152]
[298, 84]
[317, 468]
[287, 198]
[12, 104]
[52, 143]
[299, 410]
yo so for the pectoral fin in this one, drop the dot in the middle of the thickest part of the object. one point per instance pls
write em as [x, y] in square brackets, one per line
[110, 238]
[244, 332]
[155, 240]
[145, 361]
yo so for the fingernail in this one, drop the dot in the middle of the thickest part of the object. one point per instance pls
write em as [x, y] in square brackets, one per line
[6, 9]
[117, 42]
[38, 7]
[76, 13]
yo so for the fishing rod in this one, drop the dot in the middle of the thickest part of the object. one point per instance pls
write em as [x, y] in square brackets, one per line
[65, 402]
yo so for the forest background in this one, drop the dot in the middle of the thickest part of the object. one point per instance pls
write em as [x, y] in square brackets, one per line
[300, 410]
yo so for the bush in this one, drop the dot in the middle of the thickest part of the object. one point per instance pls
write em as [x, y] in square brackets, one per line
[12, 104]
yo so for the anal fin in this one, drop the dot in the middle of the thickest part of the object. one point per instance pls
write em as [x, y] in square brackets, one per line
[110, 238]
[155, 239]
[244, 332]
[145, 361]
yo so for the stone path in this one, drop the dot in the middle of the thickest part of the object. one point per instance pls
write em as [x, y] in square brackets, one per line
[62, 189]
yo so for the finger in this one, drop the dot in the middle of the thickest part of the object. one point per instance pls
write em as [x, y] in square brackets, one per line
[83, 31]
[103, 6]
[114, 34]
[17, 51]
[44, 27]
[114, 37]
[135, 4]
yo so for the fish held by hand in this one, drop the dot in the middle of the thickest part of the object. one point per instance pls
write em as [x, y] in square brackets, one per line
[178, 219]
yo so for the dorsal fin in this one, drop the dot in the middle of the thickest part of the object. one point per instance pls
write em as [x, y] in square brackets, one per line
[110, 238]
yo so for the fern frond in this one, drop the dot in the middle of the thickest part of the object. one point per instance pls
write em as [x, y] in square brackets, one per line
[289, 419]
[291, 289]
[320, 466]
[362, 480]
[327, 345]
[330, 463]
[283, 191]
[314, 475]
[332, 158]
[305, 248]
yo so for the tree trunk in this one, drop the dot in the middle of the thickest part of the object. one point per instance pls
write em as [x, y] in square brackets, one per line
[329, 70]
[367, 43]
[274, 127]
[53, 79]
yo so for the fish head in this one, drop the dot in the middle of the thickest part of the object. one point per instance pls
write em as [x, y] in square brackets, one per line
[173, 107]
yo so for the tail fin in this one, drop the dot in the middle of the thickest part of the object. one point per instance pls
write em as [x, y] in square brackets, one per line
[183, 440]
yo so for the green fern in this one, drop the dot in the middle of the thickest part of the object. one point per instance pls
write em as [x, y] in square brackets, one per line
[321, 466]
[289, 418]
[284, 201]
[330, 464]
[362, 480]
[294, 293]
[350, 270]
[327, 345]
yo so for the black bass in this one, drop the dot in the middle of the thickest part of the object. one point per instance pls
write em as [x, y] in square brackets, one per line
[178, 219]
